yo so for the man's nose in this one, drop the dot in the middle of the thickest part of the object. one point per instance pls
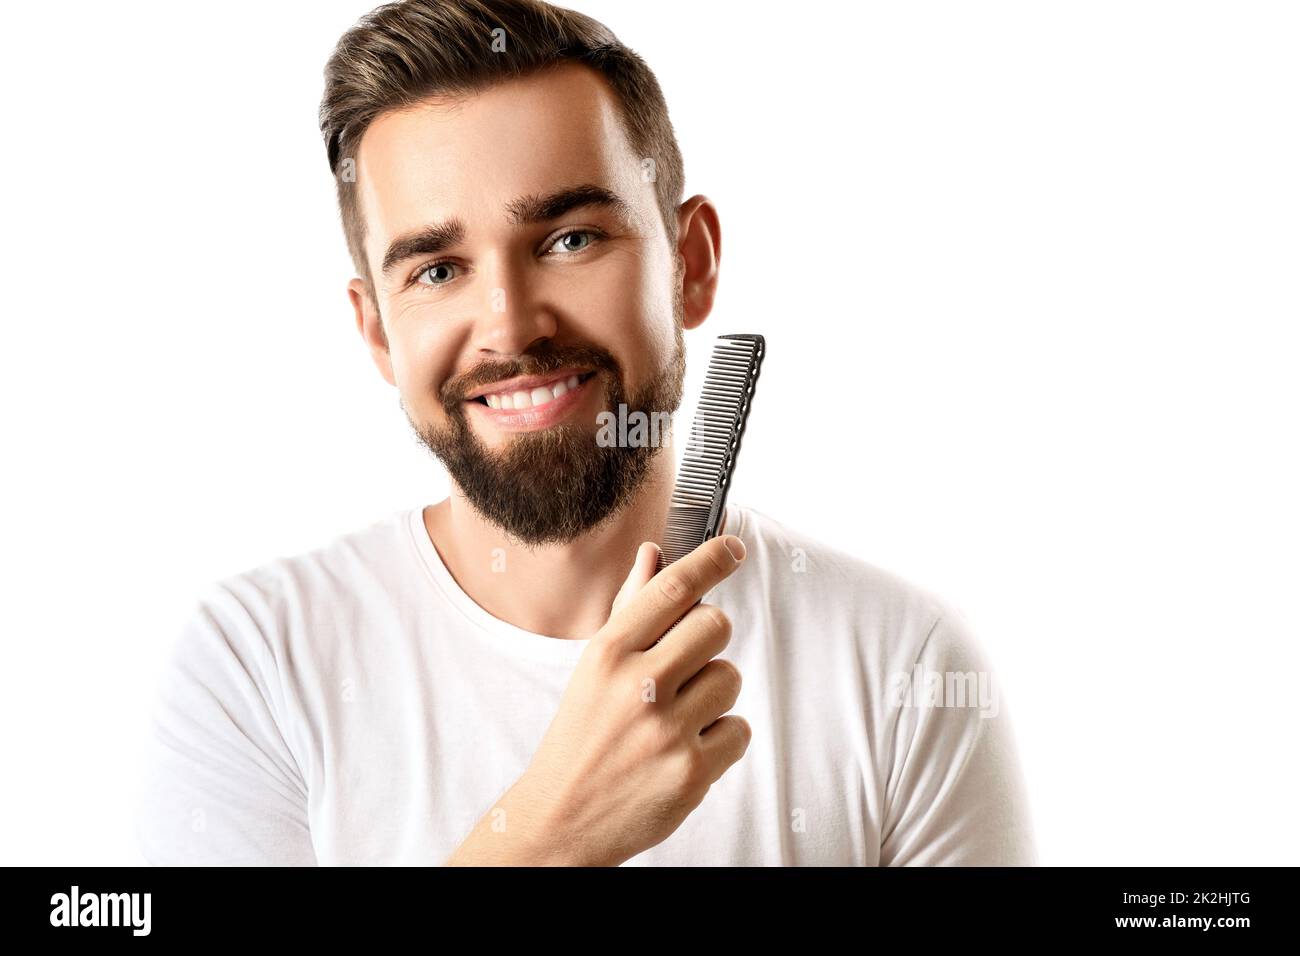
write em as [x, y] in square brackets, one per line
[514, 315]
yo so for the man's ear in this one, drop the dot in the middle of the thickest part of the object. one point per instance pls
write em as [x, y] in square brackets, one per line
[699, 248]
[371, 328]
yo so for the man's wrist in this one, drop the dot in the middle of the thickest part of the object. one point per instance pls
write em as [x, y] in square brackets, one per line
[514, 833]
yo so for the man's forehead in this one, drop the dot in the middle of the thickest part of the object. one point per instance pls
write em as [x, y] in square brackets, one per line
[469, 157]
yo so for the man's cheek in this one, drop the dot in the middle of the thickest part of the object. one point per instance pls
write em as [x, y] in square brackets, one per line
[416, 375]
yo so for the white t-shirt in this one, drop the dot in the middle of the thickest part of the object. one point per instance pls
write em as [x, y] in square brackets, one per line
[352, 705]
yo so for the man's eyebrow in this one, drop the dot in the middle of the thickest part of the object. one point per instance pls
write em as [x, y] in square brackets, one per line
[428, 241]
[528, 210]
[524, 211]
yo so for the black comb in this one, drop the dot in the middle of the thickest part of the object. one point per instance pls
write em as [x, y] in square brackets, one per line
[699, 499]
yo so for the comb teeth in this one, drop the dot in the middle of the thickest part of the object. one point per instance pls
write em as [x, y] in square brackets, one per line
[704, 476]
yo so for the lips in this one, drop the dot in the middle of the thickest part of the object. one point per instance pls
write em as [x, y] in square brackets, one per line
[543, 408]
[526, 391]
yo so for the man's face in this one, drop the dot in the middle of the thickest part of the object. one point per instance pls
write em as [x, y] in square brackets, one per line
[512, 234]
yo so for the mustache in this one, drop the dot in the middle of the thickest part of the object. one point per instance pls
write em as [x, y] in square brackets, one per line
[456, 389]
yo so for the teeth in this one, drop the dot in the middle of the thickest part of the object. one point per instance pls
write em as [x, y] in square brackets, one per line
[534, 397]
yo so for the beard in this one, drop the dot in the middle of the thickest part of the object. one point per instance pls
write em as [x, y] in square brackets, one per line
[552, 485]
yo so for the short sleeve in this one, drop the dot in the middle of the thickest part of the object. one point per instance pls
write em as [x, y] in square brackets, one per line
[221, 786]
[956, 794]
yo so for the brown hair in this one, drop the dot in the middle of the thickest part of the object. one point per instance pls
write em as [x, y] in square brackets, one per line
[401, 53]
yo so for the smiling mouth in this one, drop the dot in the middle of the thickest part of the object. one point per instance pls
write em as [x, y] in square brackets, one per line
[537, 397]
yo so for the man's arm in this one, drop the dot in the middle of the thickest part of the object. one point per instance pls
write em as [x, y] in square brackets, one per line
[221, 786]
[956, 794]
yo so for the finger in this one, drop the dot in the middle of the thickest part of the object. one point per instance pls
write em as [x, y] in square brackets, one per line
[643, 569]
[708, 695]
[674, 591]
[725, 741]
[689, 645]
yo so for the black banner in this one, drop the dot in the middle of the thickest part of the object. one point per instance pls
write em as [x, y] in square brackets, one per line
[1228, 906]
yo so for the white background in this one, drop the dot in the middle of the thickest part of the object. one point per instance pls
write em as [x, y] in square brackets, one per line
[1028, 274]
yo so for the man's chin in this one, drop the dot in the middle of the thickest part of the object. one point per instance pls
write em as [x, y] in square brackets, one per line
[498, 443]
[551, 484]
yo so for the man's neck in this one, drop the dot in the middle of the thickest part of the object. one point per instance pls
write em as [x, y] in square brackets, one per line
[562, 590]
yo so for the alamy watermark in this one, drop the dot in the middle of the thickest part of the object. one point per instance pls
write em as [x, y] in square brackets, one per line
[633, 429]
[101, 909]
[921, 687]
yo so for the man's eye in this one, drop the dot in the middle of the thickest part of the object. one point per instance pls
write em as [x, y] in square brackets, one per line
[440, 273]
[437, 272]
[563, 245]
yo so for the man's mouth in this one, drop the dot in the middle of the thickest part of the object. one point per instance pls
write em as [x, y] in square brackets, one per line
[533, 392]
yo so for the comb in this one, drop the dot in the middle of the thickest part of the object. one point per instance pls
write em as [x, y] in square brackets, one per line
[699, 499]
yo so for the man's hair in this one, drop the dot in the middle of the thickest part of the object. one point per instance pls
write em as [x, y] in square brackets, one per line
[402, 53]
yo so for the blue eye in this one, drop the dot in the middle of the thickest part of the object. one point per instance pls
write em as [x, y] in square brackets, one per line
[577, 233]
[432, 268]
[442, 271]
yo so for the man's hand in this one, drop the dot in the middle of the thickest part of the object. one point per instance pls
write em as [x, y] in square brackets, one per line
[638, 738]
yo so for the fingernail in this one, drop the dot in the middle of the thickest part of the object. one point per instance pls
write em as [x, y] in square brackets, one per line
[735, 546]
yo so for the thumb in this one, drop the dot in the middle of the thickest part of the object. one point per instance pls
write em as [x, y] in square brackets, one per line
[643, 569]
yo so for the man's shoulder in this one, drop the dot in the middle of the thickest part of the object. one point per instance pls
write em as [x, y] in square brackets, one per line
[884, 615]
[795, 556]
[347, 563]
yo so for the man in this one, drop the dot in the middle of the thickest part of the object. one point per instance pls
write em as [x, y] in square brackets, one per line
[482, 681]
